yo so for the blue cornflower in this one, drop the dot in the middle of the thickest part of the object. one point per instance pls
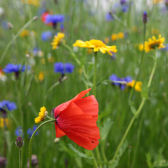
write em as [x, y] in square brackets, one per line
[68, 67]
[125, 8]
[54, 19]
[62, 68]
[59, 67]
[14, 68]
[7, 105]
[122, 2]
[121, 82]
[46, 35]
[30, 131]
[109, 16]
[19, 132]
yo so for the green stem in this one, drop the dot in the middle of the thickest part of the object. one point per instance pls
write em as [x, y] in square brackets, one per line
[30, 142]
[94, 160]
[136, 113]
[20, 158]
[95, 74]
[77, 61]
[15, 37]
[140, 67]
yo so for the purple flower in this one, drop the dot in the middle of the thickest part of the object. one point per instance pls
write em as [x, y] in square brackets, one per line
[46, 35]
[54, 19]
[62, 68]
[7, 105]
[109, 16]
[30, 131]
[121, 82]
[19, 132]
[14, 68]
[145, 17]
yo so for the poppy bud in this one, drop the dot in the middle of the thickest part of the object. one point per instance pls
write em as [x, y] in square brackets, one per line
[145, 17]
[19, 142]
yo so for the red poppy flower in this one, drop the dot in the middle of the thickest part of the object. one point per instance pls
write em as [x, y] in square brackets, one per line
[77, 118]
[43, 17]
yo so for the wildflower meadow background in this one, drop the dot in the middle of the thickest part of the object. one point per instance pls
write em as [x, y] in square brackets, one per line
[54, 50]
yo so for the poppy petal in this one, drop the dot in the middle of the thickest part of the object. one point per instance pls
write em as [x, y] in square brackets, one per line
[59, 132]
[81, 94]
[89, 105]
[81, 129]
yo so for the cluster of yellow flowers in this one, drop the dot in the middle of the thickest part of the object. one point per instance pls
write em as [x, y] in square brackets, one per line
[154, 43]
[57, 39]
[136, 84]
[117, 36]
[4, 122]
[96, 45]
[31, 2]
[42, 114]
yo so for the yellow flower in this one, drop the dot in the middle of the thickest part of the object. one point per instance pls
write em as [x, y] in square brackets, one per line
[114, 37]
[117, 36]
[137, 87]
[24, 33]
[31, 2]
[120, 35]
[57, 40]
[96, 45]
[154, 43]
[4, 122]
[141, 47]
[41, 76]
[157, 1]
[41, 116]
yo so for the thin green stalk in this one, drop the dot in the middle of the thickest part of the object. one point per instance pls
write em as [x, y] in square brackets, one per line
[94, 160]
[30, 142]
[77, 61]
[140, 67]
[20, 158]
[136, 113]
[95, 74]
[15, 37]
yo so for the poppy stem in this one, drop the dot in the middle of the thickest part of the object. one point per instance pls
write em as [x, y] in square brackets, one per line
[138, 111]
[31, 138]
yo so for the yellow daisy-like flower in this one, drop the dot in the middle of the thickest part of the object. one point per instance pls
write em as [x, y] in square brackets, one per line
[42, 114]
[24, 33]
[31, 2]
[41, 76]
[154, 43]
[137, 87]
[57, 40]
[96, 45]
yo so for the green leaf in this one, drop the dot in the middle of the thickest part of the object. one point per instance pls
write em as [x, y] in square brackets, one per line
[106, 129]
[114, 163]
